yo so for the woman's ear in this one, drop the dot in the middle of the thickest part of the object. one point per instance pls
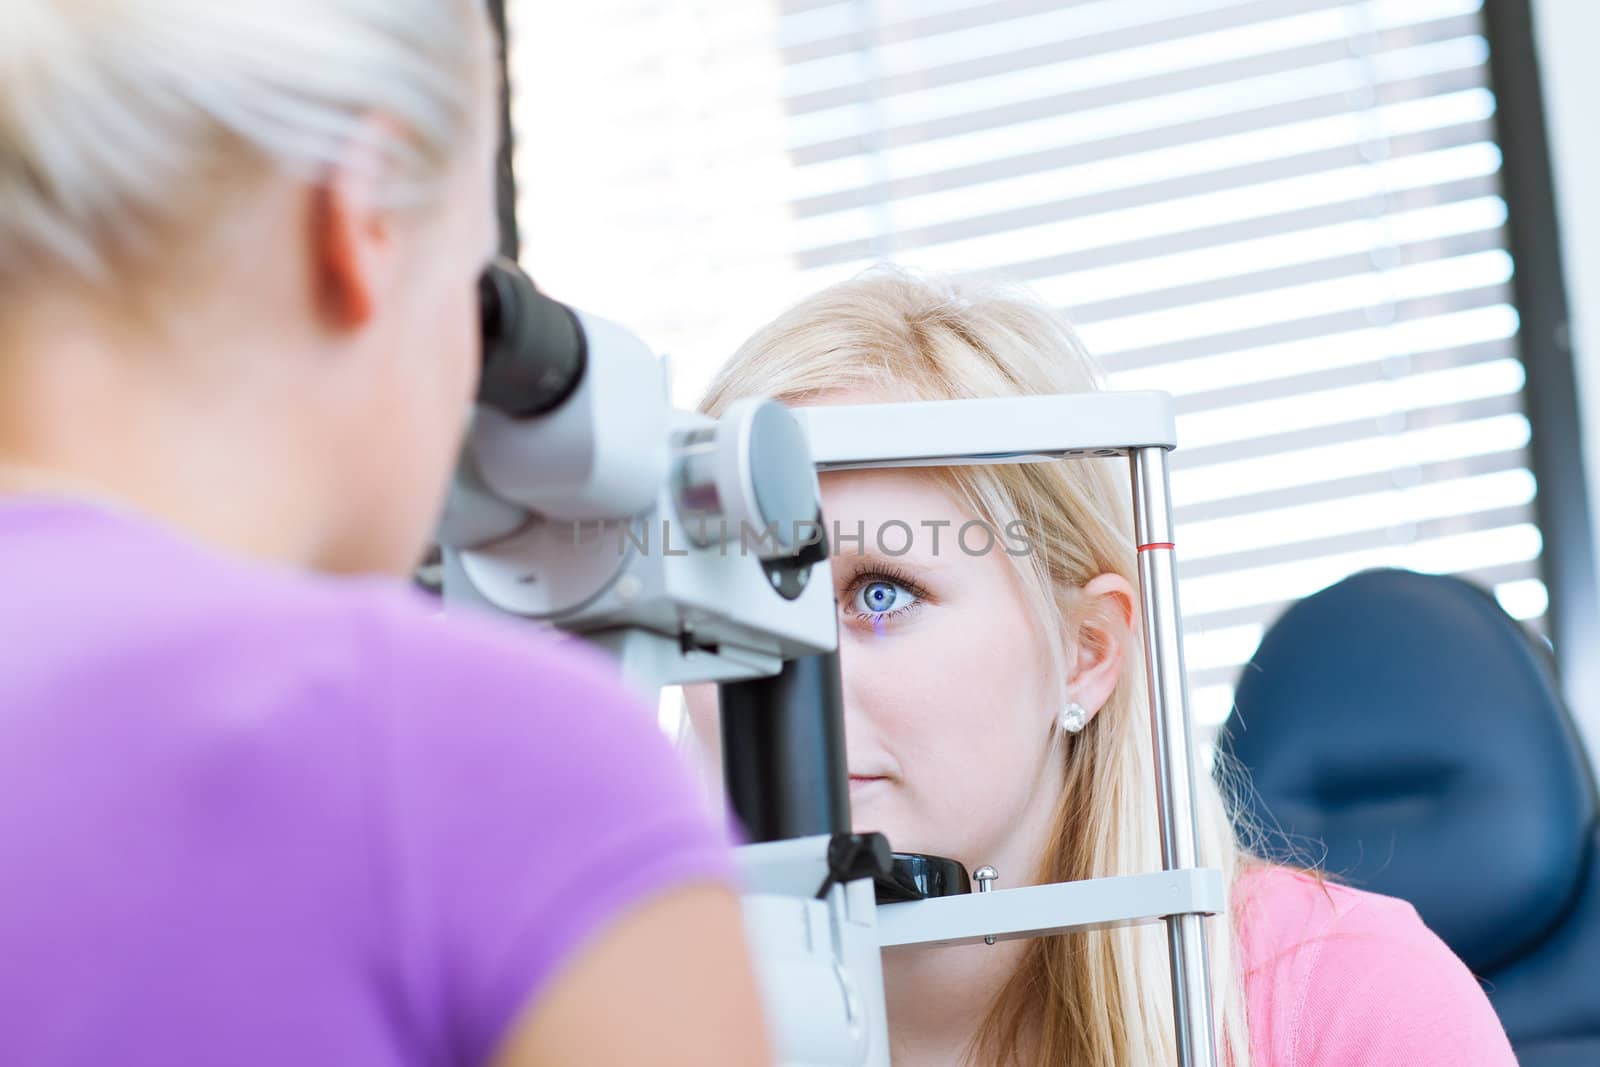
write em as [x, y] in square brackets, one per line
[1100, 640]
[350, 232]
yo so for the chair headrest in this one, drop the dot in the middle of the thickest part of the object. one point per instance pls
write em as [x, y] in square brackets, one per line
[1408, 724]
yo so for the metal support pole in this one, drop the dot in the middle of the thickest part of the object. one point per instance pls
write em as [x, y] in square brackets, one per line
[783, 755]
[1174, 752]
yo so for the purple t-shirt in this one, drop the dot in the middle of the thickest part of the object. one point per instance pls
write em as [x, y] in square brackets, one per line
[249, 816]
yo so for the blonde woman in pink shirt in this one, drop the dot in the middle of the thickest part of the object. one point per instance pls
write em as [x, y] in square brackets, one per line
[995, 713]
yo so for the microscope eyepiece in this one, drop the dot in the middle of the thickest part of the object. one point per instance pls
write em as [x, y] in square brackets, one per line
[534, 351]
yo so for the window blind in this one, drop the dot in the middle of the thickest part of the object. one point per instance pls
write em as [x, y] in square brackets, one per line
[1285, 212]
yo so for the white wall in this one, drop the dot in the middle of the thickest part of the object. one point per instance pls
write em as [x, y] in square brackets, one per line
[1567, 36]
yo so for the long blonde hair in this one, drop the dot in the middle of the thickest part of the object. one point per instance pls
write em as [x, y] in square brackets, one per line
[1102, 997]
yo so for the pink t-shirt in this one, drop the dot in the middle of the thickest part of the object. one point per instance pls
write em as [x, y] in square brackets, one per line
[1338, 977]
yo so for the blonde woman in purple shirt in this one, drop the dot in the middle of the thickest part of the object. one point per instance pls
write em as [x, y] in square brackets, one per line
[260, 807]
[994, 713]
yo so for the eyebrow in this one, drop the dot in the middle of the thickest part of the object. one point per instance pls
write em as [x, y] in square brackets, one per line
[870, 556]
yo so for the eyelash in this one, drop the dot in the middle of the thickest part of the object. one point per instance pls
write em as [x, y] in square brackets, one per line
[886, 573]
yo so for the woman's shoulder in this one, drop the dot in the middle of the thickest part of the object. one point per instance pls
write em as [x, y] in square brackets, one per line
[1339, 975]
[1282, 909]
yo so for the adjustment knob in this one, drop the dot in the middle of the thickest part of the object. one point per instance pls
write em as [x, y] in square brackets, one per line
[749, 480]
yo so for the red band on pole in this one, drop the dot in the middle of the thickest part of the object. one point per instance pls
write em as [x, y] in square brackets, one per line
[1158, 544]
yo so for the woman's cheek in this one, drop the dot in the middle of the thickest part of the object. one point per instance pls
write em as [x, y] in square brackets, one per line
[967, 748]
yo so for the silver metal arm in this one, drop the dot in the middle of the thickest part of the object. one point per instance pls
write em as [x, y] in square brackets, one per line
[1057, 908]
[1174, 752]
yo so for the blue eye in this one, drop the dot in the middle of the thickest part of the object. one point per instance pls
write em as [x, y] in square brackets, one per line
[883, 598]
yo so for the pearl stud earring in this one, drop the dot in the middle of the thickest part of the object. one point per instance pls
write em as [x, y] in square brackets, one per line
[1074, 717]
